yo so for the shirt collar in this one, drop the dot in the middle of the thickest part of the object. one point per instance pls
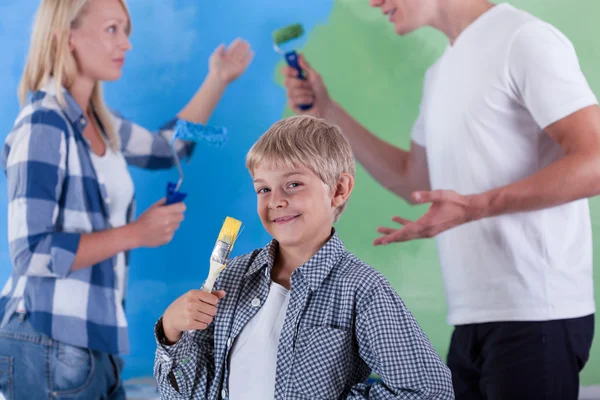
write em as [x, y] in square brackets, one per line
[314, 271]
[71, 109]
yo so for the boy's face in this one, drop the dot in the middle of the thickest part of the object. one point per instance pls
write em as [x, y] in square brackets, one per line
[295, 206]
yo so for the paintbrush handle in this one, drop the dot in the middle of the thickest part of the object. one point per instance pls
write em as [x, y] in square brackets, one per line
[291, 57]
[215, 270]
[208, 286]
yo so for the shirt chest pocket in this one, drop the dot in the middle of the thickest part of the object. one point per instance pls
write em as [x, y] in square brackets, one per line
[322, 361]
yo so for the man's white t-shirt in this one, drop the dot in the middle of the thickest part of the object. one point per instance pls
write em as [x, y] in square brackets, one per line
[253, 360]
[485, 104]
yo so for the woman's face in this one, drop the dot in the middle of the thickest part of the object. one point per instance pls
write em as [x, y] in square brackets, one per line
[100, 40]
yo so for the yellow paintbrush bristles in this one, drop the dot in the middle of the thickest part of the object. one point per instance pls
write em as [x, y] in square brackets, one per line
[229, 231]
[221, 251]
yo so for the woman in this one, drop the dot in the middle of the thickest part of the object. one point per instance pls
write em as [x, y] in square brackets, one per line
[71, 202]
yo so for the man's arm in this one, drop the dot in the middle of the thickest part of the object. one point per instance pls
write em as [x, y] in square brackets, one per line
[400, 171]
[544, 75]
[575, 176]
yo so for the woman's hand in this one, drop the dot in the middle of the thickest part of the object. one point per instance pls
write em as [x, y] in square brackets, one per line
[227, 64]
[157, 225]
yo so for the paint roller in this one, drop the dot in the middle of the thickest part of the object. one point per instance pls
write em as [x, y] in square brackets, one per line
[189, 131]
[285, 35]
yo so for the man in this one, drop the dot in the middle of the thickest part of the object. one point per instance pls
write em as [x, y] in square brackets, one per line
[506, 149]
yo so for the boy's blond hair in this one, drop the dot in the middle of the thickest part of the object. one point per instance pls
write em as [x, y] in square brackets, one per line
[305, 141]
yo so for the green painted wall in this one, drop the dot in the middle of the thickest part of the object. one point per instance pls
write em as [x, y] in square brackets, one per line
[377, 76]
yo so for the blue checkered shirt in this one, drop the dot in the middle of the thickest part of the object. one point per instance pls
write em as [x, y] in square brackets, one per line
[55, 196]
[343, 322]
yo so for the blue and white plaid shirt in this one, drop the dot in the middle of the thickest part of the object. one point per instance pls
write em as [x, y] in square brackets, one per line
[343, 321]
[55, 196]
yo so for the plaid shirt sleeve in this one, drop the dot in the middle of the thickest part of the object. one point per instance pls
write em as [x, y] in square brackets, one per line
[150, 150]
[35, 171]
[394, 346]
[185, 369]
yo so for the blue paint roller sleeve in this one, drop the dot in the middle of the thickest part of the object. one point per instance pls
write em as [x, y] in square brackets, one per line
[189, 131]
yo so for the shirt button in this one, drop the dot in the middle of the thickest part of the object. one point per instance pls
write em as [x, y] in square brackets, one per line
[223, 393]
[256, 302]
[83, 121]
[229, 342]
[166, 357]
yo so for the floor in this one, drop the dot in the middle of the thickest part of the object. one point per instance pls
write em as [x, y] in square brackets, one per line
[141, 389]
[145, 389]
[590, 393]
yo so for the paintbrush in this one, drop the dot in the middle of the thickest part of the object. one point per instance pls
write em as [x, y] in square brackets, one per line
[222, 250]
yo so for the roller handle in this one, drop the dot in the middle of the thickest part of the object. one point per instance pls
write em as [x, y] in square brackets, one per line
[174, 196]
[292, 59]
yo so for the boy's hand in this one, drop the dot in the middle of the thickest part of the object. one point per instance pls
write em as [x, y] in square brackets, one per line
[310, 91]
[194, 310]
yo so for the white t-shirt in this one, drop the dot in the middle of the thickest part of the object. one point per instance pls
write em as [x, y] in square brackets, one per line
[253, 360]
[485, 104]
[111, 170]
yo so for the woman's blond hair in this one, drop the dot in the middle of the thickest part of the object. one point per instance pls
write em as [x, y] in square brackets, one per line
[49, 57]
[305, 141]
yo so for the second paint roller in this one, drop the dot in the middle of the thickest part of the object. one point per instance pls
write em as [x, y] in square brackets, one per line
[284, 35]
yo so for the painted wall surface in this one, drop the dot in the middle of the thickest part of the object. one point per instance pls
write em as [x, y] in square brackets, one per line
[372, 72]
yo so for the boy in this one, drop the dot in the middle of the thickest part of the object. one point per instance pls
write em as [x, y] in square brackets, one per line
[301, 318]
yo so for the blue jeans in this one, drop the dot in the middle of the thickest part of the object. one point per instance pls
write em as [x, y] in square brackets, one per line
[33, 366]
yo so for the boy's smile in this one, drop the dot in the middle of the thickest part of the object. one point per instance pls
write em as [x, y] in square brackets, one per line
[286, 219]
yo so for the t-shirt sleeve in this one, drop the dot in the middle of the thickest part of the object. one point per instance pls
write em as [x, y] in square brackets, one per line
[545, 75]
[418, 130]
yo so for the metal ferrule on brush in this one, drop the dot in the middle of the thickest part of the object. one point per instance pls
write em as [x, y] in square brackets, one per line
[221, 252]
